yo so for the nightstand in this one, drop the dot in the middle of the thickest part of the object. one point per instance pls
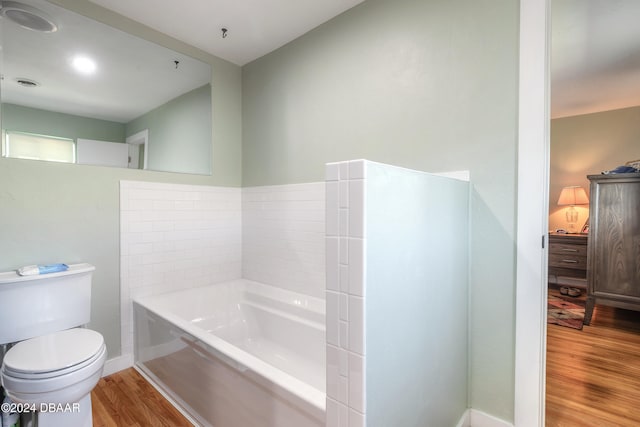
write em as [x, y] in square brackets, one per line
[568, 255]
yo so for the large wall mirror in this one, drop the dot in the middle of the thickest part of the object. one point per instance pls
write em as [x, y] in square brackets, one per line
[76, 90]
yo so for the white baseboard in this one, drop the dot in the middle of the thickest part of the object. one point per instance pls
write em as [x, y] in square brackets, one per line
[475, 418]
[117, 364]
[464, 420]
[480, 419]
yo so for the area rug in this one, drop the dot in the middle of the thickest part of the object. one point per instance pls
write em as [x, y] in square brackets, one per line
[565, 313]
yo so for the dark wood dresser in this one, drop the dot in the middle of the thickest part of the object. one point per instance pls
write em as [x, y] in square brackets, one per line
[568, 255]
[614, 242]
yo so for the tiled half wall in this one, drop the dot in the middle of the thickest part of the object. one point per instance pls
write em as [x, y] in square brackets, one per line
[283, 236]
[181, 236]
[345, 266]
[175, 237]
[396, 262]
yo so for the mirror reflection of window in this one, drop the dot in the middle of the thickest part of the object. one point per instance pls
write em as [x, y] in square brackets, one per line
[39, 147]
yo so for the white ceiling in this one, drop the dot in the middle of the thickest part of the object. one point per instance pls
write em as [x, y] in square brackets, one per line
[595, 60]
[255, 27]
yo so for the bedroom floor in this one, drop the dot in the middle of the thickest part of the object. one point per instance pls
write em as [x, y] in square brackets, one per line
[127, 399]
[593, 375]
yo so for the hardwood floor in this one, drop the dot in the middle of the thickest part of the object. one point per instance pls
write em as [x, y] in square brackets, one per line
[593, 375]
[127, 399]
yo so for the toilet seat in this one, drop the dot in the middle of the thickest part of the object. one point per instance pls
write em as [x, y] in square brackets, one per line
[59, 367]
[55, 373]
[53, 354]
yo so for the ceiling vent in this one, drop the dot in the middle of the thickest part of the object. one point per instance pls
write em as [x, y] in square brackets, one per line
[27, 16]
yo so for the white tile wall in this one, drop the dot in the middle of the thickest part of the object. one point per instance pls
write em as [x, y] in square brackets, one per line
[283, 242]
[345, 292]
[175, 237]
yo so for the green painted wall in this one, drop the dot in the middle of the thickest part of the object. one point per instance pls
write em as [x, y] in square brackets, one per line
[426, 84]
[59, 212]
[43, 122]
[179, 133]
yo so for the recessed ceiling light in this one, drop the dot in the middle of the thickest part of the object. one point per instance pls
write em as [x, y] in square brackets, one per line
[84, 65]
[27, 16]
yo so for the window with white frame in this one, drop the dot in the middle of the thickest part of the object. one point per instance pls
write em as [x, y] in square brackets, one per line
[22, 145]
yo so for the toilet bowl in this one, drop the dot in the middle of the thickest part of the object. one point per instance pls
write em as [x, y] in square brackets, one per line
[53, 363]
[55, 374]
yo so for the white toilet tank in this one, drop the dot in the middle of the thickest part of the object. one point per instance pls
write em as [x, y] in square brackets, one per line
[32, 306]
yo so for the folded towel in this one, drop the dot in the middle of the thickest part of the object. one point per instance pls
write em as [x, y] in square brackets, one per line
[29, 270]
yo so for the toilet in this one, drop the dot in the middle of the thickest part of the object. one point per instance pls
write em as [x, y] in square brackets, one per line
[52, 363]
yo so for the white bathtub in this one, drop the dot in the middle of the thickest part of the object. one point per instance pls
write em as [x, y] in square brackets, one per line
[236, 354]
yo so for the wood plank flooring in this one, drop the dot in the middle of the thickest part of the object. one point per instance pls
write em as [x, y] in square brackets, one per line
[593, 375]
[127, 399]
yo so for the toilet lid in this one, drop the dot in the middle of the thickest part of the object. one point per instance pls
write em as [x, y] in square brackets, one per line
[53, 352]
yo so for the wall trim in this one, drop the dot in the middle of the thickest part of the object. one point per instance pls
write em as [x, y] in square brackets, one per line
[532, 219]
[117, 364]
[464, 420]
[475, 418]
[481, 419]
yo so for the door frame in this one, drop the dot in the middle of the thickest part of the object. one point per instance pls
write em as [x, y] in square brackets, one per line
[532, 216]
[141, 139]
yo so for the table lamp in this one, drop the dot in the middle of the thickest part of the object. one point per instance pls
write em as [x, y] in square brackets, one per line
[571, 196]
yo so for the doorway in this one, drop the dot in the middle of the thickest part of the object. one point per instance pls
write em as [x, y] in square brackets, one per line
[533, 203]
[593, 112]
[138, 144]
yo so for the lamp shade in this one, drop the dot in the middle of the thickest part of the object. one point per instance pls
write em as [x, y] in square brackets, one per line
[574, 195]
